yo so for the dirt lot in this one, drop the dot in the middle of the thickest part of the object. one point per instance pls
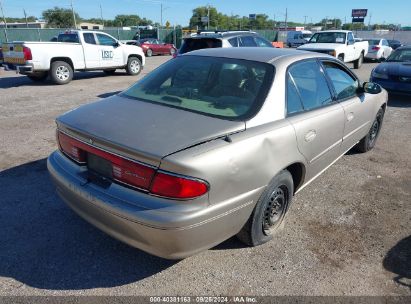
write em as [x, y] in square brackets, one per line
[348, 233]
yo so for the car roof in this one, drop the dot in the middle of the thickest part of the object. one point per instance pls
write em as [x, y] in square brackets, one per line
[405, 47]
[259, 54]
[222, 34]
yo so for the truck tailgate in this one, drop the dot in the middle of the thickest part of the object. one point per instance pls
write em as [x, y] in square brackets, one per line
[13, 53]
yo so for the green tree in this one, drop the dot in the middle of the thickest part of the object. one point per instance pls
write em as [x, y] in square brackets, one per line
[60, 17]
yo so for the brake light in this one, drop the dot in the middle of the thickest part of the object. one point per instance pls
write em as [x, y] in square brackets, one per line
[27, 53]
[178, 187]
[69, 147]
[375, 48]
[133, 173]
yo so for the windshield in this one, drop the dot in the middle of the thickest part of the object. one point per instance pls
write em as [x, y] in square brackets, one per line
[328, 37]
[373, 41]
[403, 55]
[222, 87]
[307, 36]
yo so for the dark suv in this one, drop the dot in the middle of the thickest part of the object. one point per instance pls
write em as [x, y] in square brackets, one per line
[217, 39]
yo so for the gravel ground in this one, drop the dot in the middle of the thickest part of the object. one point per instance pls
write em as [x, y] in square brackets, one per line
[348, 233]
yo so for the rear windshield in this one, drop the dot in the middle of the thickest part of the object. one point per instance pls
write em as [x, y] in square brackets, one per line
[328, 37]
[73, 38]
[400, 55]
[221, 87]
[192, 44]
[373, 41]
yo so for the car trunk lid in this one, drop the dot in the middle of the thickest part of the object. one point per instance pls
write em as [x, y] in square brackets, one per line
[141, 130]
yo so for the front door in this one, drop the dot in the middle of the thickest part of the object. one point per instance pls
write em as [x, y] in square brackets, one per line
[110, 51]
[91, 51]
[358, 118]
[317, 119]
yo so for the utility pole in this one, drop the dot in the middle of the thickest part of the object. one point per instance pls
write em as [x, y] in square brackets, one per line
[4, 20]
[369, 22]
[286, 19]
[208, 16]
[25, 17]
[274, 23]
[101, 15]
[74, 15]
[305, 20]
[161, 14]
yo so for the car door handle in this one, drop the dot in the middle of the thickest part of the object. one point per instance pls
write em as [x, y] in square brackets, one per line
[350, 116]
[310, 135]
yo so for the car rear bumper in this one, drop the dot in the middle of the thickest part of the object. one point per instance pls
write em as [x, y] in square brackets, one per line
[171, 235]
[21, 69]
[372, 55]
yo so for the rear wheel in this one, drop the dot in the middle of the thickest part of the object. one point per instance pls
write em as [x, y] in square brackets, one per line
[39, 76]
[269, 213]
[172, 51]
[133, 66]
[61, 72]
[359, 61]
[368, 142]
[149, 53]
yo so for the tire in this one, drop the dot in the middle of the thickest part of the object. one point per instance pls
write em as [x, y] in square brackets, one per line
[172, 51]
[110, 72]
[39, 76]
[359, 61]
[275, 200]
[133, 66]
[149, 53]
[61, 72]
[368, 142]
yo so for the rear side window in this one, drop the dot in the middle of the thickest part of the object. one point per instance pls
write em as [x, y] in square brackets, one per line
[89, 38]
[294, 104]
[311, 84]
[247, 41]
[262, 42]
[233, 42]
[192, 44]
[344, 84]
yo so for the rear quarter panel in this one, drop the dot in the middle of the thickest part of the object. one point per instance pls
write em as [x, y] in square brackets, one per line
[245, 165]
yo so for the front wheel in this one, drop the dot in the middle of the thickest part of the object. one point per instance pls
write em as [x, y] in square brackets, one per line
[149, 53]
[269, 213]
[61, 72]
[368, 142]
[133, 66]
[172, 51]
[359, 61]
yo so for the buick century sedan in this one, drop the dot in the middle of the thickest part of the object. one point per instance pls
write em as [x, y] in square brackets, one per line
[212, 144]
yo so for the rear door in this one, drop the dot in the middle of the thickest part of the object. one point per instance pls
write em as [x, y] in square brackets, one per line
[317, 119]
[111, 54]
[357, 108]
[92, 52]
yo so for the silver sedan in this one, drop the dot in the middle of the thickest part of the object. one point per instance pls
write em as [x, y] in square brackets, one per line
[212, 144]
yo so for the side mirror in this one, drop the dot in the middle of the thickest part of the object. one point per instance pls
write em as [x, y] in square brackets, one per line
[372, 88]
[116, 44]
[350, 42]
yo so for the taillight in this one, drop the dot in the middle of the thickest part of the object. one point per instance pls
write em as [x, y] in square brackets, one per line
[375, 48]
[133, 173]
[173, 186]
[70, 147]
[27, 53]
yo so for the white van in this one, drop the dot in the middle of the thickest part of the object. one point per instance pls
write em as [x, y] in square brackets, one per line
[297, 38]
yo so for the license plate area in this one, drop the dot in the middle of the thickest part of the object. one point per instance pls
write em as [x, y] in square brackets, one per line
[100, 170]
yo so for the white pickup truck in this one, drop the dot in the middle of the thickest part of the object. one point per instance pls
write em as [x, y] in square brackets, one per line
[340, 44]
[73, 51]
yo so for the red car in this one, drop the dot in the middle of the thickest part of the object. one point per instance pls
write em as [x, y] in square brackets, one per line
[156, 47]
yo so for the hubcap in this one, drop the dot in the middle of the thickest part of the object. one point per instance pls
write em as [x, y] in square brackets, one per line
[374, 131]
[274, 211]
[135, 66]
[62, 73]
